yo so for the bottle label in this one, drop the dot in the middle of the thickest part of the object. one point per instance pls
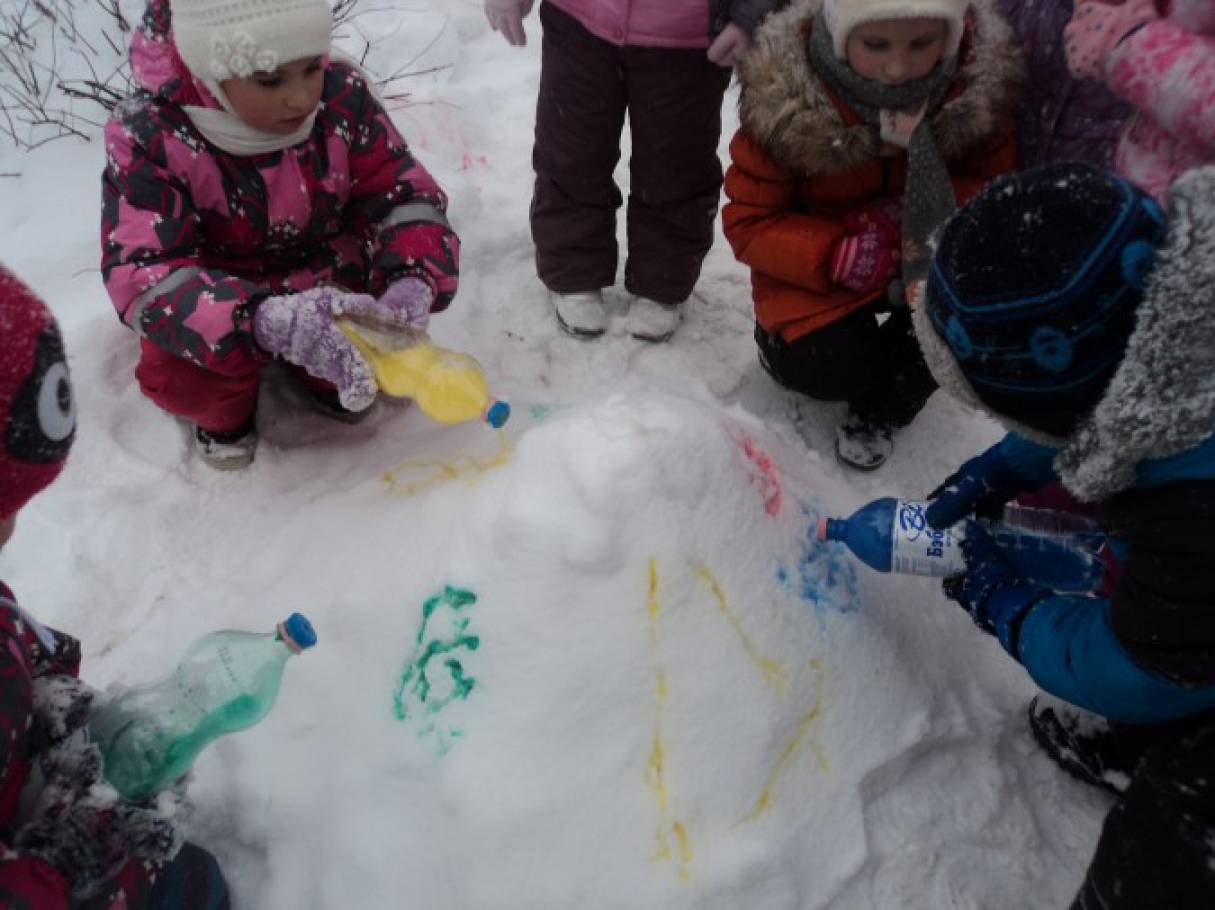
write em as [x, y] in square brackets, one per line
[918, 549]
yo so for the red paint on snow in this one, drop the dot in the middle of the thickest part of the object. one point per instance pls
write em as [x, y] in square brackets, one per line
[768, 477]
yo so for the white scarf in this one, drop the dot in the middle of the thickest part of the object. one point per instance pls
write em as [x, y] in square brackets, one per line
[227, 131]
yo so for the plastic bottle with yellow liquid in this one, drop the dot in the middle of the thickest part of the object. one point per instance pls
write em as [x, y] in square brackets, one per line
[448, 386]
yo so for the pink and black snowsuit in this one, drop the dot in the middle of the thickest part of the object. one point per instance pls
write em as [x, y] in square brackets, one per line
[192, 237]
[1166, 69]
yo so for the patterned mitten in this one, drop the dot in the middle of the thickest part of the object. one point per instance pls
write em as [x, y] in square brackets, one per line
[302, 328]
[82, 828]
[1097, 28]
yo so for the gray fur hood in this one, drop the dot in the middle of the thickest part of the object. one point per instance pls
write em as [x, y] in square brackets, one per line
[785, 108]
[1161, 399]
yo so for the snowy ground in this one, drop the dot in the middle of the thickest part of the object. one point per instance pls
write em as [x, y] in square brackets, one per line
[658, 691]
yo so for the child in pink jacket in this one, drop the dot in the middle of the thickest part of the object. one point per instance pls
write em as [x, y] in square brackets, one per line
[666, 63]
[255, 193]
[1164, 65]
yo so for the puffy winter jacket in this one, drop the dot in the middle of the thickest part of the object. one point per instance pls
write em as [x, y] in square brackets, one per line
[192, 236]
[1145, 456]
[803, 160]
[1061, 118]
[665, 23]
[1166, 70]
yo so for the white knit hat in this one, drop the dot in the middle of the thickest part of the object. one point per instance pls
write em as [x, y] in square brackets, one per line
[223, 39]
[844, 15]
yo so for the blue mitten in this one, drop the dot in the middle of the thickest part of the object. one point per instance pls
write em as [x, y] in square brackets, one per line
[986, 482]
[996, 595]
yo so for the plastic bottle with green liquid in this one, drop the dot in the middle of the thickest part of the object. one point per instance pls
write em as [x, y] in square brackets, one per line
[448, 386]
[150, 736]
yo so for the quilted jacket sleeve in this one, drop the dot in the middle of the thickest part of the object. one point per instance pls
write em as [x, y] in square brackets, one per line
[764, 230]
[150, 254]
[1170, 73]
[396, 201]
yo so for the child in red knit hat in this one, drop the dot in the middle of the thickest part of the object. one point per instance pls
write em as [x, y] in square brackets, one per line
[79, 843]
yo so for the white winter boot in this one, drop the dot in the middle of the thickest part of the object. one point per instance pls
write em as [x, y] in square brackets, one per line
[649, 320]
[580, 314]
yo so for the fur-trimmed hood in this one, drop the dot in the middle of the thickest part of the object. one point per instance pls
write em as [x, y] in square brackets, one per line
[785, 107]
[1161, 400]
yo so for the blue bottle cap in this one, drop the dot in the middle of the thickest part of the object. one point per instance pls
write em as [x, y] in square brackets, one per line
[498, 414]
[299, 630]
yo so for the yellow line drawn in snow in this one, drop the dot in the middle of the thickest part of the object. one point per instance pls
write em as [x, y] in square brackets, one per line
[774, 672]
[655, 771]
[655, 767]
[764, 801]
[437, 471]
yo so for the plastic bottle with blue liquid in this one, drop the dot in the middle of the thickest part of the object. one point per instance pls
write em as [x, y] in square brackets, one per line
[1058, 550]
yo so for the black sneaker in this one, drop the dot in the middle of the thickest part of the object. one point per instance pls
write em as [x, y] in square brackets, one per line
[226, 451]
[1084, 745]
[863, 443]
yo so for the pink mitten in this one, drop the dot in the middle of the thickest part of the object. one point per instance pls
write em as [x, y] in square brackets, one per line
[864, 261]
[730, 46]
[883, 216]
[1097, 28]
[506, 16]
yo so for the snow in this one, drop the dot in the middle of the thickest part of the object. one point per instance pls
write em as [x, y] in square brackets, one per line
[645, 684]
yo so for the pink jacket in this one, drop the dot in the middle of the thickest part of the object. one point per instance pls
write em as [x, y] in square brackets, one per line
[1167, 71]
[193, 238]
[644, 23]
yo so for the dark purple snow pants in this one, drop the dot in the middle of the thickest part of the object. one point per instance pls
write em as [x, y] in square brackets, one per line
[673, 99]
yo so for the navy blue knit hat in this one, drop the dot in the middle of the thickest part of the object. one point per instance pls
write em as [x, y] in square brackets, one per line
[1034, 288]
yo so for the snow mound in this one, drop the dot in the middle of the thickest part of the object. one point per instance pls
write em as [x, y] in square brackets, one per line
[633, 652]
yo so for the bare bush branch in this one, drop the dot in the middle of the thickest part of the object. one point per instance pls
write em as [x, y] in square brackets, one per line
[61, 75]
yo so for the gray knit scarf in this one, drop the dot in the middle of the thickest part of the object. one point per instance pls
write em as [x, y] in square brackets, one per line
[928, 197]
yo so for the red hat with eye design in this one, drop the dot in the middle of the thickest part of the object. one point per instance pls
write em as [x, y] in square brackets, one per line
[37, 410]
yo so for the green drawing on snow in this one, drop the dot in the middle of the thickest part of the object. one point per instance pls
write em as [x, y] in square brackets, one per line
[435, 675]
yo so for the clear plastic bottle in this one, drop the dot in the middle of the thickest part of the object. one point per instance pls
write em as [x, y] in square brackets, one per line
[448, 386]
[1057, 550]
[227, 681]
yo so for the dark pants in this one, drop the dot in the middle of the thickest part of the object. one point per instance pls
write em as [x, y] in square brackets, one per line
[877, 369]
[1157, 847]
[673, 99]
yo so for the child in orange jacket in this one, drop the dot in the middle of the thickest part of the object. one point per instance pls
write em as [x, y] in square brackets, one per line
[865, 123]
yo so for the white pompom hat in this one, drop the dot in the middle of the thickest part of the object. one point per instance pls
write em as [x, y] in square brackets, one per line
[844, 15]
[225, 39]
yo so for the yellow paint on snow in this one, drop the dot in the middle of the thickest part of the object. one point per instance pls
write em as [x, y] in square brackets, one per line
[774, 672]
[656, 771]
[764, 801]
[433, 473]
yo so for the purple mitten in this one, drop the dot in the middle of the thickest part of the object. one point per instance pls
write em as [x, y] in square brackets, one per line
[406, 304]
[302, 328]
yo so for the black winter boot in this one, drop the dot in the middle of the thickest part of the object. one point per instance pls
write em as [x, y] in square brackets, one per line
[1086, 746]
[863, 442]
